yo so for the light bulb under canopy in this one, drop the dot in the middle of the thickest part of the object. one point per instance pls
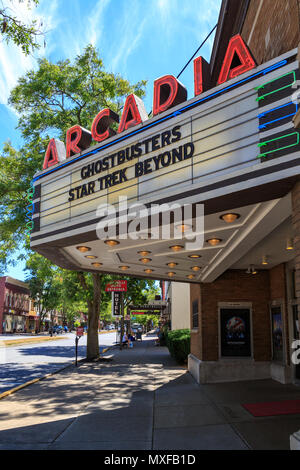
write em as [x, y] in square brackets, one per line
[145, 260]
[229, 217]
[96, 265]
[83, 249]
[196, 268]
[111, 242]
[214, 241]
[172, 264]
[183, 227]
[176, 247]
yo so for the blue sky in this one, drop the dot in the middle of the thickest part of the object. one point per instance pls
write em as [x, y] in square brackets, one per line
[139, 39]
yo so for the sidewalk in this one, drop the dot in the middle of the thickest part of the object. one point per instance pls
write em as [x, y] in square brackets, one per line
[142, 400]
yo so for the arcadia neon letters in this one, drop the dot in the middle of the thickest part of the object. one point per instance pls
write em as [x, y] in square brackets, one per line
[167, 92]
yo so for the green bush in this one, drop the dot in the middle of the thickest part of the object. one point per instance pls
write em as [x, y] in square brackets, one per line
[179, 344]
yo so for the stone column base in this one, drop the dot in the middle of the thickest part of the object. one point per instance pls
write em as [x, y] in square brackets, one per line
[229, 370]
[281, 373]
[295, 441]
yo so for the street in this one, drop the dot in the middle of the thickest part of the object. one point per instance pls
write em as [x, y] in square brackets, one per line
[25, 362]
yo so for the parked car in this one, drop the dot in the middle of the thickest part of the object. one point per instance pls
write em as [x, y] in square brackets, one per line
[137, 328]
[58, 329]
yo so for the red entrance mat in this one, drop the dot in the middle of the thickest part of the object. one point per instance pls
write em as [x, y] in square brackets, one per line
[273, 408]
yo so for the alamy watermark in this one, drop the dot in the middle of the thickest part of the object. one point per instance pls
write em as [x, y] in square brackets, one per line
[295, 357]
[138, 221]
[296, 95]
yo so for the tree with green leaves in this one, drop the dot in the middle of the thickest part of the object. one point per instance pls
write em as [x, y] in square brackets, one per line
[44, 285]
[148, 321]
[91, 288]
[13, 29]
[72, 292]
[50, 100]
[139, 291]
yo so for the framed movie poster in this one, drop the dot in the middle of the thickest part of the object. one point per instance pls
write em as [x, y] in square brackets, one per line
[235, 329]
[277, 334]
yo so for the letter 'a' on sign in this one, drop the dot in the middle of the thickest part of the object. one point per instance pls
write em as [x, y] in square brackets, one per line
[101, 123]
[201, 75]
[168, 92]
[237, 60]
[55, 153]
[134, 113]
[77, 139]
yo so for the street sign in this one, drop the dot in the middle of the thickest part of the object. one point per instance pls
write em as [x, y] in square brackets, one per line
[147, 307]
[116, 304]
[116, 286]
[158, 302]
[148, 312]
[79, 331]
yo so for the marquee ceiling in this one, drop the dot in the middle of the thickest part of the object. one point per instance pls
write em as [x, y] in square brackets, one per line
[248, 234]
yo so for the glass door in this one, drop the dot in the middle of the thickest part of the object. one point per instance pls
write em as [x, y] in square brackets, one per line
[277, 334]
[296, 335]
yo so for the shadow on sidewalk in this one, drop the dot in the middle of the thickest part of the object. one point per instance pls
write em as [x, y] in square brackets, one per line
[140, 401]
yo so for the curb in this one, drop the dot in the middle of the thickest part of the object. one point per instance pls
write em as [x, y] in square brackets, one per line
[22, 342]
[33, 381]
[26, 384]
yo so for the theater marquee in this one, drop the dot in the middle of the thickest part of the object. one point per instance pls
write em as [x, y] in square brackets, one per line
[230, 147]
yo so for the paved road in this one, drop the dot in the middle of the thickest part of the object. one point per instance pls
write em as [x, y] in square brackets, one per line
[21, 363]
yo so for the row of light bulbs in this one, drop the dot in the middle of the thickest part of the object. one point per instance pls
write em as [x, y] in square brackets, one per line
[264, 261]
[228, 218]
[172, 264]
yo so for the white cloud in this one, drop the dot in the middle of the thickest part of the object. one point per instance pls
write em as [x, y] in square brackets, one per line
[96, 22]
[132, 29]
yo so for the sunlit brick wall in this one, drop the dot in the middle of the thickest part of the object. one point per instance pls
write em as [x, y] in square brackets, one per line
[271, 28]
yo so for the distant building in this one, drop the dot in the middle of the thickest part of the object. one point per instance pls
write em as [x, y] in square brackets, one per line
[179, 294]
[178, 306]
[15, 313]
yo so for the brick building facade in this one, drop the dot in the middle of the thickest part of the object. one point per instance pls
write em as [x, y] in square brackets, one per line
[15, 305]
[269, 294]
